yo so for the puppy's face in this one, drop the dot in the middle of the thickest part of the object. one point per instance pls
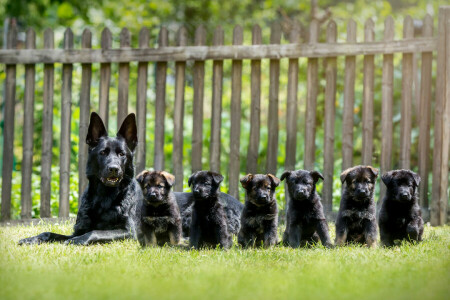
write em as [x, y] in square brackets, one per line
[301, 183]
[205, 184]
[260, 188]
[155, 186]
[360, 182]
[401, 184]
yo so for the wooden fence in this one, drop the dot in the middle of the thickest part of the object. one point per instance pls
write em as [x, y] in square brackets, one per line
[313, 51]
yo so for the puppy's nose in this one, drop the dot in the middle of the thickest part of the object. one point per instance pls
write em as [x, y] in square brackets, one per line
[114, 170]
[303, 190]
[404, 195]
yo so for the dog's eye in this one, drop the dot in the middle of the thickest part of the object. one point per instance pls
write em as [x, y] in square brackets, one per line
[121, 154]
[161, 186]
[103, 152]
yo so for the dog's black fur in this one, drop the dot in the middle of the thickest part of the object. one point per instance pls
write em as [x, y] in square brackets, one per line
[400, 215]
[305, 220]
[108, 205]
[160, 216]
[259, 219]
[356, 221]
[209, 221]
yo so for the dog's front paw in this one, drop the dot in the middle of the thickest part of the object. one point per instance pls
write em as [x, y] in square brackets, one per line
[35, 240]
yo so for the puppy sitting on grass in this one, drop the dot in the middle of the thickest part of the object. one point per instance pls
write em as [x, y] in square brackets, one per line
[209, 221]
[305, 220]
[400, 215]
[259, 218]
[356, 220]
[160, 220]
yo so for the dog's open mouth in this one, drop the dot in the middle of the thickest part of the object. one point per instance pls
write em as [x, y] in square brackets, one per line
[111, 180]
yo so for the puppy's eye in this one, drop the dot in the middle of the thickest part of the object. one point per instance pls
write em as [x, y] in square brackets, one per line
[268, 187]
[103, 152]
[121, 154]
[161, 186]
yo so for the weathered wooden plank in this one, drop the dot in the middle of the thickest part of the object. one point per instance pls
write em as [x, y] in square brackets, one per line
[28, 129]
[349, 100]
[255, 111]
[235, 130]
[387, 90]
[160, 103]
[406, 107]
[216, 52]
[141, 102]
[291, 105]
[47, 130]
[441, 120]
[124, 79]
[8, 129]
[367, 109]
[197, 115]
[274, 75]
[425, 119]
[311, 100]
[216, 115]
[85, 107]
[105, 78]
[178, 115]
[330, 114]
[66, 115]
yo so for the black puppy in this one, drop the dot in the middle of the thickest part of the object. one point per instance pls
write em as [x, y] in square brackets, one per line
[400, 215]
[356, 221]
[209, 221]
[108, 205]
[305, 220]
[259, 219]
[160, 215]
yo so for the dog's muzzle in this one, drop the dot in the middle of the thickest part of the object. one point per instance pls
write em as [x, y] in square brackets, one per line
[111, 181]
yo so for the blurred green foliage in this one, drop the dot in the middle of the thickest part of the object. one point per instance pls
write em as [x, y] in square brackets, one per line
[133, 14]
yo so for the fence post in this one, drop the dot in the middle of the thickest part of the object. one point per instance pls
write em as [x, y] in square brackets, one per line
[105, 79]
[178, 115]
[85, 107]
[28, 128]
[8, 128]
[124, 79]
[441, 122]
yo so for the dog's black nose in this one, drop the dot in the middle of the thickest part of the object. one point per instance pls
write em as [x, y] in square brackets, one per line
[114, 170]
[404, 195]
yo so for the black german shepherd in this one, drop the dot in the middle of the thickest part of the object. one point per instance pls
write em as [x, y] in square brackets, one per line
[109, 203]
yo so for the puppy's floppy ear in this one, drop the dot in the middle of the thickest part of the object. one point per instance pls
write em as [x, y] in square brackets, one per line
[344, 174]
[416, 178]
[141, 177]
[218, 178]
[285, 174]
[316, 176]
[128, 131]
[387, 177]
[374, 171]
[275, 180]
[169, 178]
[245, 181]
[191, 178]
[96, 130]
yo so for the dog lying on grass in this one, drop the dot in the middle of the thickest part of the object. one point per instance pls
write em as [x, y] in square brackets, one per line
[259, 219]
[108, 205]
[160, 216]
[356, 220]
[209, 220]
[305, 220]
[400, 215]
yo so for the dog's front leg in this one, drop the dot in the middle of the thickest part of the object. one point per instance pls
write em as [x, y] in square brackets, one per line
[99, 236]
[270, 236]
[150, 239]
[322, 230]
[45, 237]
[175, 233]
[341, 232]
[370, 233]
[295, 235]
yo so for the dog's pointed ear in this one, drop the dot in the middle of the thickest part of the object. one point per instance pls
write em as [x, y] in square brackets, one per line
[316, 176]
[96, 130]
[416, 178]
[128, 131]
[275, 180]
[169, 178]
[285, 174]
[245, 181]
[141, 176]
[344, 174]
[374, 171]
[387, 177]
[191, 178]
[218, 178]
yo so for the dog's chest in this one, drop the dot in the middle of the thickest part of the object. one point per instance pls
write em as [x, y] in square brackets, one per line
[257, 222]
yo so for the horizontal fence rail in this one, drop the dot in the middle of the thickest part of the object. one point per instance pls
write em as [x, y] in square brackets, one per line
[314, 50]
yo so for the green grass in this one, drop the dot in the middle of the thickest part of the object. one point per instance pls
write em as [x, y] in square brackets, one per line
[123, 270]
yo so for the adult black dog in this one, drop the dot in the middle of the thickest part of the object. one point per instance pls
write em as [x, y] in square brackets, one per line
[259, 219]
[209, 221]
[305, 220]
[356, 221]
[400, 215]
[160, 216]
[108, 205]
